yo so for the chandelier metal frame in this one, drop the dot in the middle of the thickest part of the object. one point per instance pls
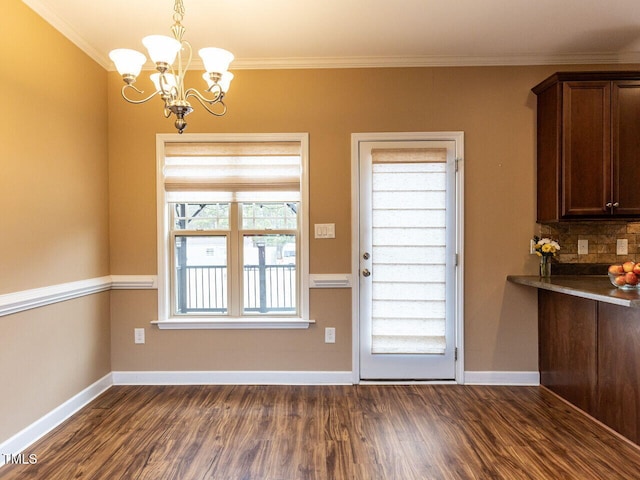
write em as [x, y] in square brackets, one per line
[169, 81]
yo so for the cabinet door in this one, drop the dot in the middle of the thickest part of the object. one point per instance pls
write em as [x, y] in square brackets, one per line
[619, 369]
[567, 347]
[549, 160]
[586, 131]
[626, 147]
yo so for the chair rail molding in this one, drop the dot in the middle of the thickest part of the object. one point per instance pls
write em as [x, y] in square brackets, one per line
[20, 301]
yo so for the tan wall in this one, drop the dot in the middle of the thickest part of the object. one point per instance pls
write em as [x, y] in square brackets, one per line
[50, 355]
[54, 197]
[53, 185]
[492, 105]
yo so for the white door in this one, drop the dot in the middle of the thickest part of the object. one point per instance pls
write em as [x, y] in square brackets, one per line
[407, 259]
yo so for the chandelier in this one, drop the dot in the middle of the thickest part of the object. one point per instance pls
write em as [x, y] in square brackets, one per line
[167, 54]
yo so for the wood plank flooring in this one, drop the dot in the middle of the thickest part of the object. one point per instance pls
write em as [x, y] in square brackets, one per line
[425, 432]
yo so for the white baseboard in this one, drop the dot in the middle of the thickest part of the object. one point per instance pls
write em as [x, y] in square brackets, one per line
[520, 379]
[295, 378]
[233, 378]
[20, 441]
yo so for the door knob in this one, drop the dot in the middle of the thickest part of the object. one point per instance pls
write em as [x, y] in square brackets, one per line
[366, 273]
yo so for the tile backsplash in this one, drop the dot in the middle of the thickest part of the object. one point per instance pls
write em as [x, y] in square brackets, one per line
[602, 237]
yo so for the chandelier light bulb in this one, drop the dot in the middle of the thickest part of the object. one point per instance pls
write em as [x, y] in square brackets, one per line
[224, 82]
[216, 60]
[128, 62]
[162, 49]
[168, 82]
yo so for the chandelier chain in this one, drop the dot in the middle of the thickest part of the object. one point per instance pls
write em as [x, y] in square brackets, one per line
[179, 11]
[178, 29]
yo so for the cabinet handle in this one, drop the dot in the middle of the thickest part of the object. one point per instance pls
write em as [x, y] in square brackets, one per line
[609, 205]
[615, 205]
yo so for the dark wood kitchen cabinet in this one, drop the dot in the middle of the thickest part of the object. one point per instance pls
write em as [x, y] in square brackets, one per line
[567, 336]
[589, 354]
[588, 145]
[619, 369]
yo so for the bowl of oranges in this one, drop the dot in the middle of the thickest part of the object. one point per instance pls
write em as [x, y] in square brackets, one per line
[625, 276]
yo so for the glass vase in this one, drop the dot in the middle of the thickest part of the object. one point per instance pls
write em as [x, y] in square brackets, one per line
[545, 267]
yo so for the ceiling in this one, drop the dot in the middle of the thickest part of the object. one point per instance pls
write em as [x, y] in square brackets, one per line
[364, 33]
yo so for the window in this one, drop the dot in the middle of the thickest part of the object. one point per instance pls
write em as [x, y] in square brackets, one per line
[232, 229]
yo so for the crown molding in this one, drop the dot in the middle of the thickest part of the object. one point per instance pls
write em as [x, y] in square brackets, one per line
[418, 61]
[285, 63]
[434, 61]
[65, 29]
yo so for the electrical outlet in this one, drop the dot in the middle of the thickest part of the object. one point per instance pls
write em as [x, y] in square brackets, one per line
[622, 246]
[329, 335]
[532, 247]
[138, 335]
[583, 247]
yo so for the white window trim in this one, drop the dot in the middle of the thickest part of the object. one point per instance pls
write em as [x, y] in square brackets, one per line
[165, 319]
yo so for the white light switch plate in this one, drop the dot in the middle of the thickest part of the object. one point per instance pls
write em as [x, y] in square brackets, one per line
[329, 335]
[325, 230]
[583, 247]
[138, 335]
[622, 246]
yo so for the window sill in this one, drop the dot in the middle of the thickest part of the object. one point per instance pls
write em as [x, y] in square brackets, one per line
[267, 323]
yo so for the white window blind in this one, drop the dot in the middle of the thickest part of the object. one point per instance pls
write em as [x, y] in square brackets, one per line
[408, 202]
[232, 171]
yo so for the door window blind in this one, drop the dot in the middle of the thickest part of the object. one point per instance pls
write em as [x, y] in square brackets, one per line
[408, 297]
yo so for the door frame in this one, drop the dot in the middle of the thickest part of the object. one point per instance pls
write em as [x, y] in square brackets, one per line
[356, 139]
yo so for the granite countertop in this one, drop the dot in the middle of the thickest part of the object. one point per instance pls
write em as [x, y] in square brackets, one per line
[594, 287]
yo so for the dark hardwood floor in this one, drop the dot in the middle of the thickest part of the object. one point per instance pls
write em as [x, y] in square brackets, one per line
[364, 432]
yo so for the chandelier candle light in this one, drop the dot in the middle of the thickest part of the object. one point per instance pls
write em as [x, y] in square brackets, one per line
[167, 54]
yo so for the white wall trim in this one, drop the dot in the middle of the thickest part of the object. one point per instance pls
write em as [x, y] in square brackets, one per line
[354, 62]
[520, 379]
[330, 280]
[242, 323]
[162, 208]
[233, 378]
[21, 440]
[102, 58]
[134, 282]
[67, 30]
[39, 297]
[434, 61]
